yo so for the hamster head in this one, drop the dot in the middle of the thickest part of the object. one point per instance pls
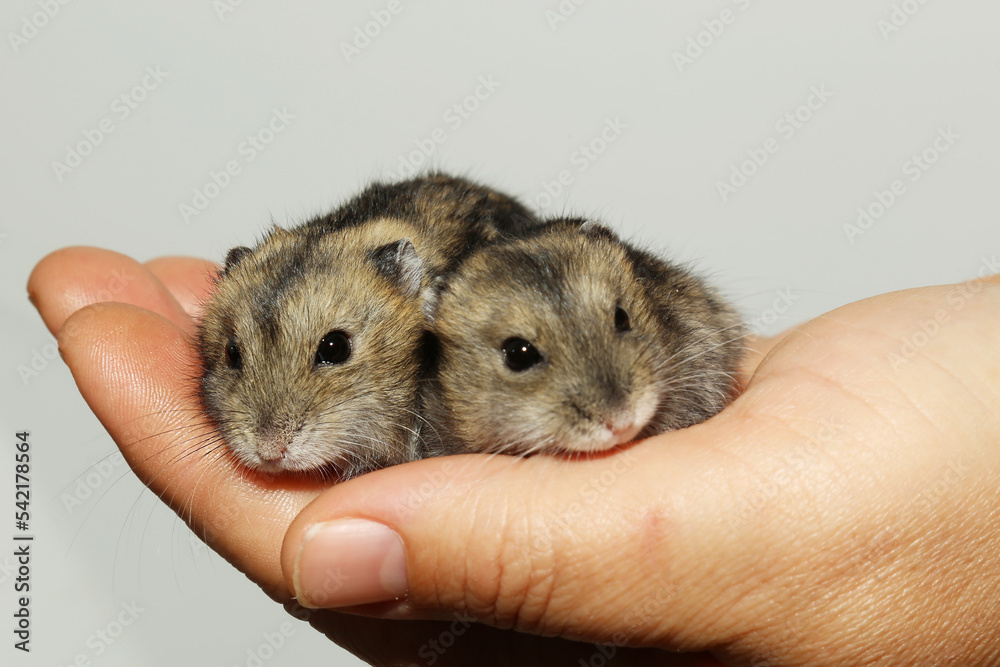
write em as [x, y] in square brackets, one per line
[309, 348]
[572, 341]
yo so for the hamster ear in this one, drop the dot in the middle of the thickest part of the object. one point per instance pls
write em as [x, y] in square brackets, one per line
[234, 256]
[398, 261]
[596, 230]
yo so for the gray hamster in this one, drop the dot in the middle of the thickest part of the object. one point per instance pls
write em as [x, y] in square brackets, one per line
[311, 343]
[571, 340]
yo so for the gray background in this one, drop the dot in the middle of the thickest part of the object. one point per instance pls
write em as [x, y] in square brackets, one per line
[778, 244]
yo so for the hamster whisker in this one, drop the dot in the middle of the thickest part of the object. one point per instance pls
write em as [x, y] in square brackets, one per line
[127, 446]
[664, 362]
[696, 374]
[421, 421]
[212, 444]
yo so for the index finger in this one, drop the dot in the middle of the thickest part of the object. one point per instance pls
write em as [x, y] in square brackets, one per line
[138, 372]
[189, 279]
[70, 278]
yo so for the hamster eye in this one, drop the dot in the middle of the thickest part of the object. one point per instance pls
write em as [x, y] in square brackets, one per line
[335, 348]
[519, 354]
[622, 321]
[233, 357]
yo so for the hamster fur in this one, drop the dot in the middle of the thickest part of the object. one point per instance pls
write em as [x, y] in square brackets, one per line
[570, 340]
[311, 342]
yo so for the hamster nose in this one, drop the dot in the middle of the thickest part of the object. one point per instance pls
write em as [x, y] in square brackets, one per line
[275, 439]
[272, 450]
[623, 428]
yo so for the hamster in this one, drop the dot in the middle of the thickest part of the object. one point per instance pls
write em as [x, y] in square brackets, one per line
[571, 341]
[311, 343]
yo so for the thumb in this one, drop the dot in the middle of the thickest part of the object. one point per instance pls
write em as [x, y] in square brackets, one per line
[588, 550]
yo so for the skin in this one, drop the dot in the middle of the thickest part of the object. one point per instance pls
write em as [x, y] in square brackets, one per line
[843, 510]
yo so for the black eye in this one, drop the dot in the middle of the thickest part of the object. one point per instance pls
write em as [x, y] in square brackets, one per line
[519, 354]
[335, 348]
[622, 321]
[233, 357]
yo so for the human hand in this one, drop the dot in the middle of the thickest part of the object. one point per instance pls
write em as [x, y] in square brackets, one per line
[842, 511]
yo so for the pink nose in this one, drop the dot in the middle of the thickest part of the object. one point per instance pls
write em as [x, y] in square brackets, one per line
[272, 450]
[623, 430]
[618, 428]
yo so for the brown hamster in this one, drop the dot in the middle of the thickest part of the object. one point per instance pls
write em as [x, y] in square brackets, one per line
[311, 342]
[570, 340]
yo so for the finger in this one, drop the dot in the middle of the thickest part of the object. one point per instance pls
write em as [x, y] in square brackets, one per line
[138, 373]
[755, 350]
[71, 278]
[189, 279]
